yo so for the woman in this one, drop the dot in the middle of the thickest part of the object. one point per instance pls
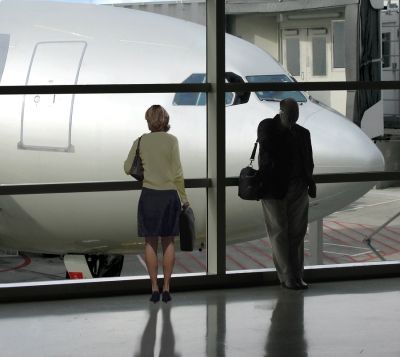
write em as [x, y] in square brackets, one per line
[162, 195]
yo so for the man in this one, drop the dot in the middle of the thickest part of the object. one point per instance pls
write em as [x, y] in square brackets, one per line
[286, 167]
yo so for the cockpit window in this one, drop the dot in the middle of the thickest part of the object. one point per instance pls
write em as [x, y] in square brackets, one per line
[4, 43]
[275, 96]
[198, 99]
[190, 98]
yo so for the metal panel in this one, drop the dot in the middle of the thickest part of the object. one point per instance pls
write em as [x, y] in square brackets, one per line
[216, 232]
[240, 7]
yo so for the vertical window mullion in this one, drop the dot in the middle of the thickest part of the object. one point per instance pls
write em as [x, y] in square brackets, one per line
[216, 216]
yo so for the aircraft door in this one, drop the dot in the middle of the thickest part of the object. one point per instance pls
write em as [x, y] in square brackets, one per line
[4, 43]
[47, 119]
[310, 54]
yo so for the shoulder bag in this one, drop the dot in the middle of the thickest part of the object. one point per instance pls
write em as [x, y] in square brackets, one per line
[250, 180]
[136, 170]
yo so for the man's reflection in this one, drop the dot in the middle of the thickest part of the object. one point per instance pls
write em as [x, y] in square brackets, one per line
[286, 334]
[148, 340]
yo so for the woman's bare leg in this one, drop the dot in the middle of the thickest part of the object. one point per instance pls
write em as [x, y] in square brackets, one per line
[168, 260]
[150, 257]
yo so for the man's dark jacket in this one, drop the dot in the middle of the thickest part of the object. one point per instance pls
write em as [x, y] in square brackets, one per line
[276, 155]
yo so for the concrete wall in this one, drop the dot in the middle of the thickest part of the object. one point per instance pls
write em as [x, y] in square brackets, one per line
[260, 29]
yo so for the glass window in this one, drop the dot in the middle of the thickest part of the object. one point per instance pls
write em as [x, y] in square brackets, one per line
[386, 49]
[4, 42]
[188, 98]
[198, 98]
[338, 45]
[293, 55]
[319, 56]
[275, 96]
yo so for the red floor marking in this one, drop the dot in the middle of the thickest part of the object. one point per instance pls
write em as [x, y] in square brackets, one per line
[236, 262]
[396, 230]
[26, 262]
[344, 233]
[183, 266]
[266, 242]
[248, 256]
[330, 258]
[198, 261]
[390, 230]
[334, 238]
[366, 226]
[393, 230]
[379, 234]
[339, 240]
[379, 242]
[257, 249]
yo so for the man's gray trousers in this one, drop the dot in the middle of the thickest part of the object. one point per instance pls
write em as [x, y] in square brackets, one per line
[286, 222]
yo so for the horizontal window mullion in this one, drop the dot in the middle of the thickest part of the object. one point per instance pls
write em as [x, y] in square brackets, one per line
[310, 86]
[193, 87]
[72, 187]
[341, 177]
[106, 88]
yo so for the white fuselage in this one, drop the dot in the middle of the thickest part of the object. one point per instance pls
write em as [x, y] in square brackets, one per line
[66, 138]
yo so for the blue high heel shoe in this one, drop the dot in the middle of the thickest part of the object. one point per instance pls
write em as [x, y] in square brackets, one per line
[166, 296]
[155, 296]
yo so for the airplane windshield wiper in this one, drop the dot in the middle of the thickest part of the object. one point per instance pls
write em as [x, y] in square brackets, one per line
[271, 99]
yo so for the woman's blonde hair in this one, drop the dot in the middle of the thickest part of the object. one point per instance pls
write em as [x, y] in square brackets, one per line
[157, 118]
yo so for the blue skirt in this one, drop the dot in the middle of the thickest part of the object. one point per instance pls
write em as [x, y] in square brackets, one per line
[158, 213]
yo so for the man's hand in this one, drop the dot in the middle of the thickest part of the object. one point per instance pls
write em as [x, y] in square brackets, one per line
[312, 190]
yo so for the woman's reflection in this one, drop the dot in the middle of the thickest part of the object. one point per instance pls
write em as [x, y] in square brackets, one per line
[286, 334]
[148, 340]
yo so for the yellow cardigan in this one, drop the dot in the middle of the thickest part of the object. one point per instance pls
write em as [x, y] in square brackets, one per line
[159, 152]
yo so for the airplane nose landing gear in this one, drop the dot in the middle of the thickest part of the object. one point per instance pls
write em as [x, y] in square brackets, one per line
[93, 265]
[105, 265]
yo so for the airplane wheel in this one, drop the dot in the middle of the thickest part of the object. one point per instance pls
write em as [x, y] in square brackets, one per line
[105, 265]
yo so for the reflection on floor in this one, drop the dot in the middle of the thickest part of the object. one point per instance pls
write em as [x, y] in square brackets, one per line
[346, 319]
[344, 232]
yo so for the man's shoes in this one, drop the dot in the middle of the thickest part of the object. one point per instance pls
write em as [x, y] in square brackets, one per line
[155, 296]
[290, 284]
[302, 284]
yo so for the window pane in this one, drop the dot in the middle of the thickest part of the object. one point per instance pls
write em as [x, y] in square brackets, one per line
[190, 98]
[4, 42]
[338, 45]
[386, 49]
[91, 222]
[275, 96]
[319, 56]
[293, 55]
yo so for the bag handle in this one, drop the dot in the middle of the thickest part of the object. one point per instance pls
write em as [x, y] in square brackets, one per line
[253, 154]
[138, 146]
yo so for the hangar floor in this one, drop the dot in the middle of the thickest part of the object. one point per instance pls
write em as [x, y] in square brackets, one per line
[344, 232]
[346, 319]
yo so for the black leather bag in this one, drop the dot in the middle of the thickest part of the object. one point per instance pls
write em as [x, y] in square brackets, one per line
[136, 170]
[250, 183]
[187, 231]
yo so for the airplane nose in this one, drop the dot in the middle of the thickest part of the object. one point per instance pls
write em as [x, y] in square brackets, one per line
[341, 146]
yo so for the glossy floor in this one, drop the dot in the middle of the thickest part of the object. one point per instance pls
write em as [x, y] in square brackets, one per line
[353, 318]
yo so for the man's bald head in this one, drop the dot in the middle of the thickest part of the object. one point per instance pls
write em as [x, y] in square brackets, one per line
[289, 112]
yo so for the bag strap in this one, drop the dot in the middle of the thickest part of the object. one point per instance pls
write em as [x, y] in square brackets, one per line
[138, 146]
[253, 154]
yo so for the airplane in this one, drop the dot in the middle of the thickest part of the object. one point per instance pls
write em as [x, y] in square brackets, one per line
[86, 137]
